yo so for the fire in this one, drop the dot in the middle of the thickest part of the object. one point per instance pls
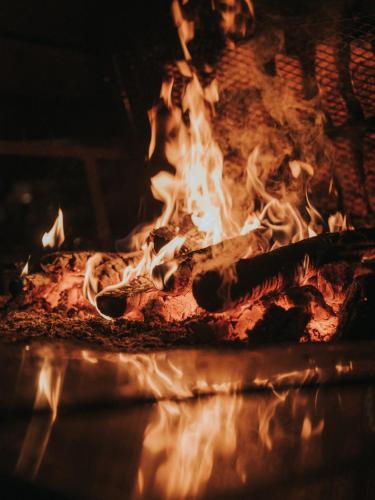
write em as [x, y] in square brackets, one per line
[200, 190]
[55, 236]
[258, 192]
[25, 269]
[90, 282]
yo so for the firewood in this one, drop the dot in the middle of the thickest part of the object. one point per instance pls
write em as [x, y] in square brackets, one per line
[356, 315]
[70, 260]
[280, 325]
[114, 302]
[278, 269]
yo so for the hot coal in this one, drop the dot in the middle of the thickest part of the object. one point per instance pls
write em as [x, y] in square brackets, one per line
[357, 313]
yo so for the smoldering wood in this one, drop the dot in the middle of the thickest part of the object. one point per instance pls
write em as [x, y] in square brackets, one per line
[71, 260]
[114, 302]
[278, 269]
[356, 320]
[280, 325]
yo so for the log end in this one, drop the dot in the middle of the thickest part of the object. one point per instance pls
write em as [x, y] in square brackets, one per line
[206, 291]
[111, 305]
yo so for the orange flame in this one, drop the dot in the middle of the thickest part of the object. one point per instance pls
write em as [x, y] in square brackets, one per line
[202, 192]
[55, 237]
[25, 269]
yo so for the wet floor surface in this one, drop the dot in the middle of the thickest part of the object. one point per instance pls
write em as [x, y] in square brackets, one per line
[287, 422]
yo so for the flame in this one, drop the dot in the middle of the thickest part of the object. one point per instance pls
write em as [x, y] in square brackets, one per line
[199, 196]
[185, 28]
[90, 281]
[55, 237]
[338, 222]
[25, 269]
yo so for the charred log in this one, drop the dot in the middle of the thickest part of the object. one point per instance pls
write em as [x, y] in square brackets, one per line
[280, 325]
[356, 316]
[279, 269]
[114, 302]
[53, 262]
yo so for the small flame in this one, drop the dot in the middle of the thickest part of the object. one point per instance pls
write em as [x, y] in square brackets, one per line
[185, 28]
[273, 198]
[90, 281]
[338, 222]
[25, 269]
[55, 237]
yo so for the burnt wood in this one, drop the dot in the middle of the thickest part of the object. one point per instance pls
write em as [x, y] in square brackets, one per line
[356, 319]
[114, 302]
[278, 269]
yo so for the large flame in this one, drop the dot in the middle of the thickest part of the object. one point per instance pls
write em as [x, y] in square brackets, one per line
[201, 202]
[201, 192]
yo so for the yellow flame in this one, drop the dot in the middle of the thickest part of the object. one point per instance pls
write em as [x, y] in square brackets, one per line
[55, 237]
[338, 222]
[25, 269]
[200, 191]
[90, 281]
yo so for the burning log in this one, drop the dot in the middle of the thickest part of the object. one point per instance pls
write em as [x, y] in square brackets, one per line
[278, 269]
[356, 316]
[53, 262]
[114, 301]
[58, 277]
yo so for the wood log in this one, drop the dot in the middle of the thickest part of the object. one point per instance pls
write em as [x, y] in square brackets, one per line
[114, 302]
[278, 269]
[356, 320]
[76, 261]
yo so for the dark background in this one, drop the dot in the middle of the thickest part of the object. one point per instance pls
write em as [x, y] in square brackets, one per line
[66, 70]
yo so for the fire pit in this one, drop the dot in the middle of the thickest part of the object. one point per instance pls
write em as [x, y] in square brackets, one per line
[261, 166]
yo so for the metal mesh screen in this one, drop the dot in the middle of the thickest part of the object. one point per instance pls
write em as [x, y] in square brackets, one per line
[325, 61]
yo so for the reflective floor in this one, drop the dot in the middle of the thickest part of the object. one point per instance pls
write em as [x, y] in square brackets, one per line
[287, 422]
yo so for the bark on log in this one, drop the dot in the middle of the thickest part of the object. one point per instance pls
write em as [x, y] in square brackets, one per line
[70, 260]
[114, 302]
[278, 269]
